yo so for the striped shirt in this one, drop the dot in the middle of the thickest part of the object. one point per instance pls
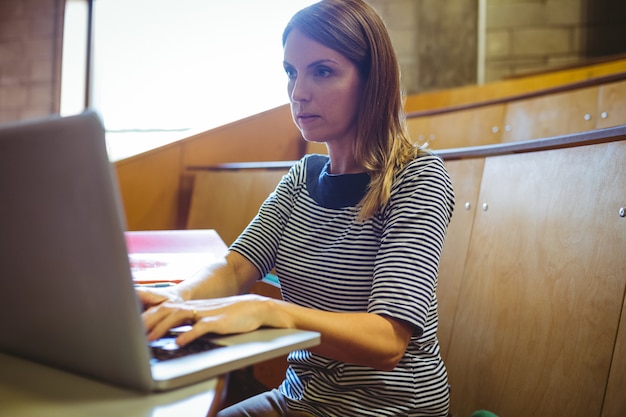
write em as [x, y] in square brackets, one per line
[326, 259]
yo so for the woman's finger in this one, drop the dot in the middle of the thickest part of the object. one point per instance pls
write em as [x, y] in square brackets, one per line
[160, 319]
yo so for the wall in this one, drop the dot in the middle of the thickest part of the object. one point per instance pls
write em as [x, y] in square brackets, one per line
[436, 41]
[531, 35]
[30, 58]
[430, 62]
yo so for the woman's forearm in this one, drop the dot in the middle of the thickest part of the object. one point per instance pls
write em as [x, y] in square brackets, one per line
[361, 338]
[232, 275]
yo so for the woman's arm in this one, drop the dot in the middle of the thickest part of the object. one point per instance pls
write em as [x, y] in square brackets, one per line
[232, 275]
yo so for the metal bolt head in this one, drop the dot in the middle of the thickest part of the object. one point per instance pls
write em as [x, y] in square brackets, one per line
[622, 212]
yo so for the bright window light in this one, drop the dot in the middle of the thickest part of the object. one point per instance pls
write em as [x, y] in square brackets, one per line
[73, 73]
[163, 69]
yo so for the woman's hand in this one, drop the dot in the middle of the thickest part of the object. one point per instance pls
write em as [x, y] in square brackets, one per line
[207, 301]
[229, 315]
[150, 297]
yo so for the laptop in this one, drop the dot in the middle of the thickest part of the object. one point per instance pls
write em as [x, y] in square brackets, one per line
[68, 294]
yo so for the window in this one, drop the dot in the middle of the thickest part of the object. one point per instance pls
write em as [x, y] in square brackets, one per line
[163, 69]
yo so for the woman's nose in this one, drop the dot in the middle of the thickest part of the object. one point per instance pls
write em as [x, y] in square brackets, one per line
[299, 91]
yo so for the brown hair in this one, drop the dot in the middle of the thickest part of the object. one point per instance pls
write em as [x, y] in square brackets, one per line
[355, 30]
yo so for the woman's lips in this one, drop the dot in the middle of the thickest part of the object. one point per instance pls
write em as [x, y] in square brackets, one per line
[307, 118]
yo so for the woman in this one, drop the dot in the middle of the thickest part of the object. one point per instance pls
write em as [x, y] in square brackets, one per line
[355, 238]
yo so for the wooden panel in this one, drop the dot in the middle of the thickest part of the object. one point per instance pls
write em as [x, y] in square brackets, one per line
[612, 105]
[268, 136]
[149, 184]
[419, 129]
[615, 400]
[552, 115]
[506, 88]
[227, 200]
[156, 188]
[466, 176]
[544, 283]
[479, 126]
[314, 147]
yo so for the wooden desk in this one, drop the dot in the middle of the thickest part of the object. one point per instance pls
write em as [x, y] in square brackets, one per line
[29, 389]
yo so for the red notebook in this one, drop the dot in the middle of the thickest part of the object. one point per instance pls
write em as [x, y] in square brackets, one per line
[170, 256]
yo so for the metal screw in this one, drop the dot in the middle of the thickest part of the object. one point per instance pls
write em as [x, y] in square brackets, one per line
[469, 206]
[604, 115]
[622, 212]
[587, 116]
[485, 207]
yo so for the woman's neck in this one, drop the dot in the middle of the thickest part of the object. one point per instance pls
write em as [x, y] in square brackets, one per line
[342, 160]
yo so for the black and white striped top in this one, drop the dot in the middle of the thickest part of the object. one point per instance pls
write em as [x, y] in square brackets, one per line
[326, 259]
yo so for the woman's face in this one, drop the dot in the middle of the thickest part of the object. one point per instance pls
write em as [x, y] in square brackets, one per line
[324, 90]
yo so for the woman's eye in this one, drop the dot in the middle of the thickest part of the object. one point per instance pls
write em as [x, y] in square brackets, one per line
[290, 73]
[322, 72]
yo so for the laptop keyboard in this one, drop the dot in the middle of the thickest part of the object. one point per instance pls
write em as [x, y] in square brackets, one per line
[166, 348]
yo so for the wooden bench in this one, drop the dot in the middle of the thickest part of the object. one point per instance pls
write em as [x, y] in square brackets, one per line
[532, 278]
[227, 197]
[577, 107]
